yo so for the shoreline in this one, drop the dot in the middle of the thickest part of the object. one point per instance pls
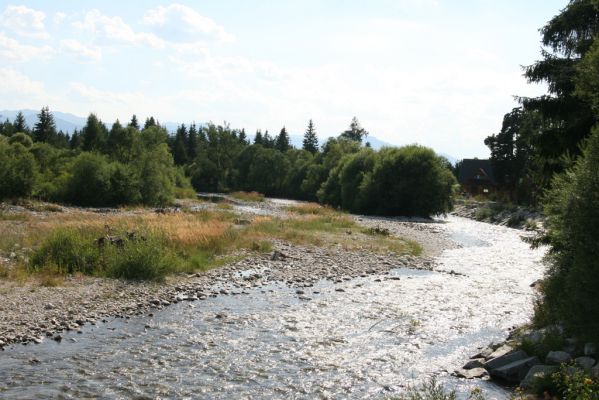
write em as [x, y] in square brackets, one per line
[32, 314]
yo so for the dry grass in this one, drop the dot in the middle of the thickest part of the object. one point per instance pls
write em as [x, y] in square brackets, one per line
[194, 240]
[247, 196]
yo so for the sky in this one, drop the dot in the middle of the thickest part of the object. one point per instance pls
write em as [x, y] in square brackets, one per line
[441, 73]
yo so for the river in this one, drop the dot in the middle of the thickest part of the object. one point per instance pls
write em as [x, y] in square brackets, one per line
[372, 340]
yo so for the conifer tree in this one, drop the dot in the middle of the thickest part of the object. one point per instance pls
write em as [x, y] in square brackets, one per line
[310, 142]
[242, 136]
[192, 142]
[258, 137]
[19, 124]
[355, 131]
[45, 128]
[133, 123]
[94, 135]
[282, 141]
[179, 145]
[149, 122]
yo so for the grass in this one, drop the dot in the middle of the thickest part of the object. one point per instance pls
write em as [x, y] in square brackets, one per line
[432, 390]
[247, 196]
[312, 209]
[139, 244]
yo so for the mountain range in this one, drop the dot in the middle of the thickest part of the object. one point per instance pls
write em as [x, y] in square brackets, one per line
[68, 123]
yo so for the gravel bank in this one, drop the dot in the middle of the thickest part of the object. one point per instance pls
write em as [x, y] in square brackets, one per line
[30, 313]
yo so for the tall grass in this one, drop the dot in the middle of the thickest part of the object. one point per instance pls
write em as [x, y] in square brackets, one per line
[247, 196]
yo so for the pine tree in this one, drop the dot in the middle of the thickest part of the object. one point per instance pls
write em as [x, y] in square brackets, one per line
[45, 128]
[192, 142]
[179, 145]
[268, 141]
[258, 137]
[19, 124]
[149, 122]
[75, 141]
[355, 131]
[242, 136]
[310, 142]
[133, 123]
[282, 141]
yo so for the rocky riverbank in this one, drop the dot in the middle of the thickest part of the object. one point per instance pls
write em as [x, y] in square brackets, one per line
[30, 313]
[497, 213]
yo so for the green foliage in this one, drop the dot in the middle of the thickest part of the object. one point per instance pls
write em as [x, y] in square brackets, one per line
[355, 131]
[19, 171]
[572, 281]
[21, 138]
[310, 142]
[568, 383]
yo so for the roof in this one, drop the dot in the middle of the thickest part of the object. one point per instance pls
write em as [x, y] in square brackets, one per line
[475, 169]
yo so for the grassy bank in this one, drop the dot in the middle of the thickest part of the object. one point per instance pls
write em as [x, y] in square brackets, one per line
[140, 244]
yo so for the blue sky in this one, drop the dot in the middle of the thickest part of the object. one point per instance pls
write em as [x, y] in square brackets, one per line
[436, 72]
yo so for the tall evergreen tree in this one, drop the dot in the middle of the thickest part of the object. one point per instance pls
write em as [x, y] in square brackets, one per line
[19, 124]
[282, 141]
[267, 140]
[258, 137]
[242, 136]
[310, 142]
[567, 118]
[150, 122]
[355, 131]
[133, 123]
[179, 145]
[45, 128]
[192, 142]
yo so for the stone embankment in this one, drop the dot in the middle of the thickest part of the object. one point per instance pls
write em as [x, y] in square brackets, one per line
[514, 366]
[497, 213]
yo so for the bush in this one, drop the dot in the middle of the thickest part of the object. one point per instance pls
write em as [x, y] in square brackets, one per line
[572, 282]
[89, 184]
[18, 171]
[69, 251]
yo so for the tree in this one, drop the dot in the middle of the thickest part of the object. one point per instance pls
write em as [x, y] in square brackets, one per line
[45, 128]
[282, 141]
[179, 145]
[258, 137]
[355, 131]
[268, 141]
[192, 142]
[511, 153]
[567, 118]
[243, 137]
[94, 135]
[310, 142]
[19, 124]
[19, 171]
[571, 285]
[149, 122]
[133, 123]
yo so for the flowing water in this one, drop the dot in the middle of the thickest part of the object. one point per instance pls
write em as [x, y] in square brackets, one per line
[371, 341]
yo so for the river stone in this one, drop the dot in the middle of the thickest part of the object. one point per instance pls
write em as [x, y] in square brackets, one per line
[505, 359]
[475, 363]
[537, 372]
[500, 351]
[515, 371]
[557, 357]
[595, 372]
[471, 373]
[590, 349]
[586, 363]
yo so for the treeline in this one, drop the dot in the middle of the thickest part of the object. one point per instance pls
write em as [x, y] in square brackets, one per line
[547, 152]
[129, 164]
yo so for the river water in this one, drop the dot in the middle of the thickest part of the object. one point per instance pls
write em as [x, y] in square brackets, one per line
[373, 340]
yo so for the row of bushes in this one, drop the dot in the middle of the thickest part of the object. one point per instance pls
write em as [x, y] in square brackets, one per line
[84, 178]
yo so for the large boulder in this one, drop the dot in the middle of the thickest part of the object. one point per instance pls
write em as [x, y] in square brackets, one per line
[535, 373]
[586, 363]
[515, 371]
[590, 349]
[557, 357]
[471, 373]
[504, 359]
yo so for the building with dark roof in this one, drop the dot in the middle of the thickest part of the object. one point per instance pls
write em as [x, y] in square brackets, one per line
[476, 176]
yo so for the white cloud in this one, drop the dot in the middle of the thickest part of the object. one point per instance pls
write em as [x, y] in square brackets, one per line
[12, 50]
[116, 30]
[59, 17]
[18, 91]
[179, 23]
[80, 50]
[24, 21]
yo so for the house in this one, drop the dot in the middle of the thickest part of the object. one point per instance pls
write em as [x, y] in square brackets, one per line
[476, 176]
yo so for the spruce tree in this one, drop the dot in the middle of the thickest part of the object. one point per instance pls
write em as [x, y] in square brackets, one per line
[179, 146]
[242, 136]
[19, 124]
[150, 122]
[282, 141]
[267, 140]
[192, 142]
[310, 142]
[258, 137]
[355, 131]
[45, 128]
[133, 123]
[94, 135]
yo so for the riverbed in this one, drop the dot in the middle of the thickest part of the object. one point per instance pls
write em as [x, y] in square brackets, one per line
[368, 337]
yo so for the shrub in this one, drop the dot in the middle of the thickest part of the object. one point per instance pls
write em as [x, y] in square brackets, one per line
[572, 282]
[68, 251]
[18, 171]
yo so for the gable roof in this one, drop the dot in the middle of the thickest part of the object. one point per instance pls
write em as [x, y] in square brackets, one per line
[471, 167]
